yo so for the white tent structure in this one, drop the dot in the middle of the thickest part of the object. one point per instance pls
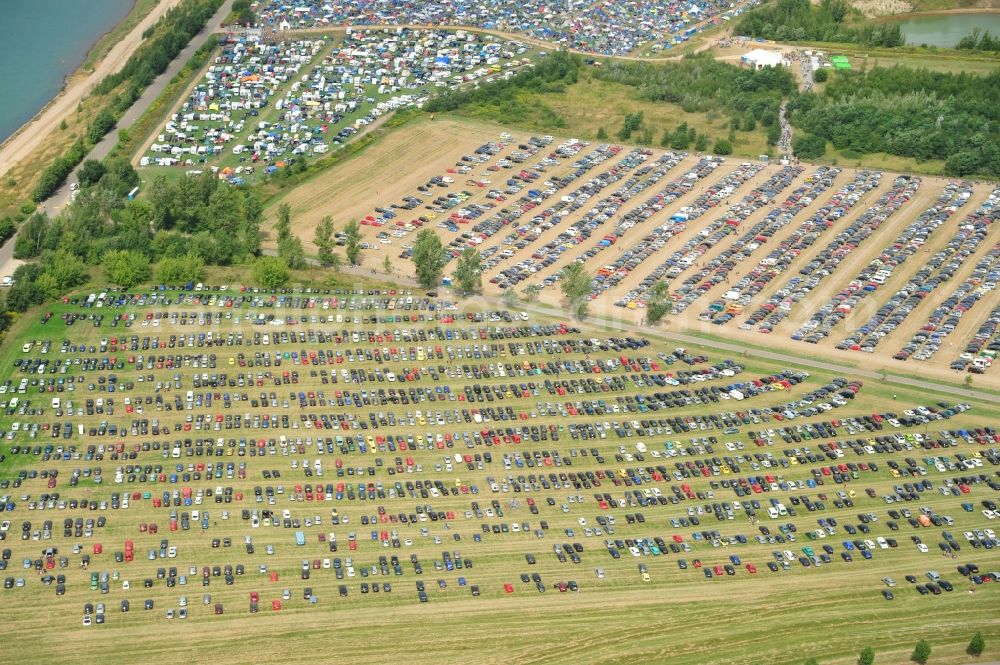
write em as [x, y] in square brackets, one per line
[760, 58]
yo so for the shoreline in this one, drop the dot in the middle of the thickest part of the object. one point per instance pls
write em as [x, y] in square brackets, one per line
[936, 12]
[76, 87]
[77, 71]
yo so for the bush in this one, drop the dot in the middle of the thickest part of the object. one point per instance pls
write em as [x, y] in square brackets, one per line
[126, 268]
[867, 656]
[809, 146]
[270, 272]
[723, 147]
[821, 75]
[921, 652]
[977, 644]
[181, 269]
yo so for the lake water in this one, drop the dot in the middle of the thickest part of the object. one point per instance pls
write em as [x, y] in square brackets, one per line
[944, 30]
[43, 41]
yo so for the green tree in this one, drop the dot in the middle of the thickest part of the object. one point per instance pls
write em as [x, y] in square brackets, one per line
[921, 652]
[681, 138]
[468, 270]
[125, 267]
[867, 656]
[977, 645]
[531, 292]
[48, 285]
[723, 147]
[336, 262]
[812, 661]
[90, 172]
[701, 143]
[290, 249]
[809, 146]
[352, 242]
[270, 272]
[509, 297]
[428, 257]
[601, 134]
[658, 303]
[67, 269]
[283, 222]
[323, 239]
[575, 285]
[181, 269]
[821, 75]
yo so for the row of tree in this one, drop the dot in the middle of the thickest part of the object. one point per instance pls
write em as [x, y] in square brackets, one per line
[979, 40]
[801, 20]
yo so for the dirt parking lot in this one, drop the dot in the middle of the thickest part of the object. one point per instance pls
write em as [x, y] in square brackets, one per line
[536, 227]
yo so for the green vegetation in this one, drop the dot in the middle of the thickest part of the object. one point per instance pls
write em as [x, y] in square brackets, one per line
[867, 656]
[468, 270]
[976, 645]
[978, 40]
[181, 269]
[800, 20]
[242, 13]
[173, 32]
[921, 652]
[324, 240]
[700, 83]
[352, 242]
[428, 258]
[506, 99]
[125, 267]
[270, 272]
[910, 113]
[574, 282]
[658, 303]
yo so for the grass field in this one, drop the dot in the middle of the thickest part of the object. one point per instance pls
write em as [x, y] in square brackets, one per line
[678, 616]
[591, 104]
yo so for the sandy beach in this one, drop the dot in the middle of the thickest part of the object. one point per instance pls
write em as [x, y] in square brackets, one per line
[28, 137]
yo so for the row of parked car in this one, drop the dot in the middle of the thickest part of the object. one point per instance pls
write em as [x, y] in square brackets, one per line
[879, 270]
[778, 306]
[940, 268]
[717, 270]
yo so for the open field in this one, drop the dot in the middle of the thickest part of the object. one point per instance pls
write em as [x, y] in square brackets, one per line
[784, 616]
[721, 265]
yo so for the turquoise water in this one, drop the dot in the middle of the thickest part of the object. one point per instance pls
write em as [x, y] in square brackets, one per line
[43, 41]
[944, 30]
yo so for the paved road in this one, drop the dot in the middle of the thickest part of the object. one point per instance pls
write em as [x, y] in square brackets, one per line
[622, 326]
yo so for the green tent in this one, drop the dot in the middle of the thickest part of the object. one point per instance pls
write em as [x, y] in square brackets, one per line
[840, 62]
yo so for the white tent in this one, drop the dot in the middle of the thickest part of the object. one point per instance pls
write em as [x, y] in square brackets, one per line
[760, 58]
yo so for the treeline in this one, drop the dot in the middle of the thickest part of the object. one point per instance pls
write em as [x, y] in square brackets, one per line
[800, 20]
[502, 98]
[699, 83]
[182, 225]
[173, 32]
[978, 40]
[911, 113]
